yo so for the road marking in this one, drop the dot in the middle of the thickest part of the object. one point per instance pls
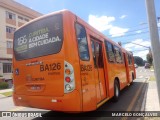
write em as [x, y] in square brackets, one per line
[17, 109]
[134, 100]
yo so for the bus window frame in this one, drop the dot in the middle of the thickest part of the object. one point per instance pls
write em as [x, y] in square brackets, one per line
[95, 41]
[129, 59]
[120, 53]
[86, 41]
[106, 46]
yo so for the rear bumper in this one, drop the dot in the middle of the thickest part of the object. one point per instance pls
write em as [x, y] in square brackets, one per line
[70, 102]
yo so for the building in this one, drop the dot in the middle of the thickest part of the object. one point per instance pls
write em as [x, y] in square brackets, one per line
[12, 16]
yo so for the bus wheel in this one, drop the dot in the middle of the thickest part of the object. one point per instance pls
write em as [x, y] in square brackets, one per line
[132, 79]
[116, 91]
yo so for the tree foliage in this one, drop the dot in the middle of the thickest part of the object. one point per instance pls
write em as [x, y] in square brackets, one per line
[149, 58]
[138, 60]
[3, 85]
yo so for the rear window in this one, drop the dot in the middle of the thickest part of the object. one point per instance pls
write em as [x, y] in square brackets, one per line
[40, 38]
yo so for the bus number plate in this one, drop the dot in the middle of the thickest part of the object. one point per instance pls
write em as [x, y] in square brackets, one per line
[50, 67]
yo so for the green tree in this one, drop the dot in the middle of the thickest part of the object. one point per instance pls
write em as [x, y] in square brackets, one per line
[138, 60]
[149, 58]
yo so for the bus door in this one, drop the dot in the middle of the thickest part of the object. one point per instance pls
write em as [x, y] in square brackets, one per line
[98, 69]
[126, 66]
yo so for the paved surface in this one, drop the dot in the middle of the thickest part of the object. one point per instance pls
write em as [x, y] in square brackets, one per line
[152, 102]
[1, 96]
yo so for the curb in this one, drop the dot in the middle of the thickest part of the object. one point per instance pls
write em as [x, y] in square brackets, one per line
[4, 91]
[2, 96]
[144, 99]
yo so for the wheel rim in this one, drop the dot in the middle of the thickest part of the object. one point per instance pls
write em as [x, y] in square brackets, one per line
[117, 91]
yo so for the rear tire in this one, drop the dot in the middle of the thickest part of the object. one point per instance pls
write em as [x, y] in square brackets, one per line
[132, 79]
[116, 91]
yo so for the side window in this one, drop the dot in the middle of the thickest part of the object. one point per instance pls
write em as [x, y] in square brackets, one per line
[129, 59]
[97, 54]
[110, 51]
[118, 54]
[82, 42]
[93, 53]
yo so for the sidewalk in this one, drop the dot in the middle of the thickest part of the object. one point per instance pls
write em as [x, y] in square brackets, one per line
[5, 90]
[152, 102]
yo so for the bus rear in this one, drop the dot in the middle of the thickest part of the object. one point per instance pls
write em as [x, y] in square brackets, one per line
[43, 77]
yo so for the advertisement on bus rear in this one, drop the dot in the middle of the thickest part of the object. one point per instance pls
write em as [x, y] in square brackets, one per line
[40, 38]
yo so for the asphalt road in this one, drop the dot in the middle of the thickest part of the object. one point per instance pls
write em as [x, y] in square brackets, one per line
[131, 99]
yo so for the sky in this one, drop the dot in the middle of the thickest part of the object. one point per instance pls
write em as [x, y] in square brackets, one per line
[122, 21]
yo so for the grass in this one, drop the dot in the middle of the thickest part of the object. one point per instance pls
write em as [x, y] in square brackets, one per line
[7, 94]
[152, 78]
[152, 68]
[151, 118]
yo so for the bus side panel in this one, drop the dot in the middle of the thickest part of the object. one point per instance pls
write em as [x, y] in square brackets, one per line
[119, 71]
[88, 81]
[121, 74]
[88, 89]
[134, 69]
[116, 70]
[132, 72]
[111, 76]
[71, 56]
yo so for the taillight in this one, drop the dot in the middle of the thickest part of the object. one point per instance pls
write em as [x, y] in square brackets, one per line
[69, 81]
[68, 71]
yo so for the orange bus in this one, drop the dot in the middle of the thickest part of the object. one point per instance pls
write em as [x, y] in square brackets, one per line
[61, 63]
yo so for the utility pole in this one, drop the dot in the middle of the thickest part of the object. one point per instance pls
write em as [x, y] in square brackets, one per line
[158, 18]
[155, 43]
